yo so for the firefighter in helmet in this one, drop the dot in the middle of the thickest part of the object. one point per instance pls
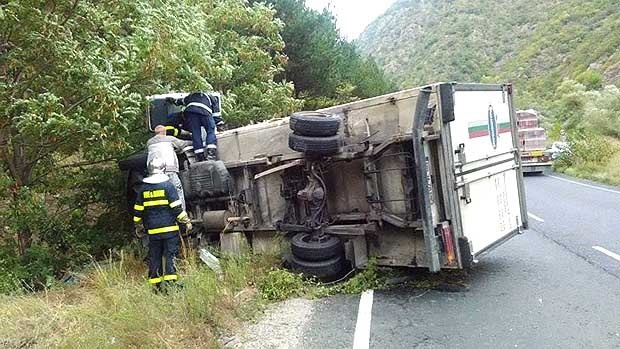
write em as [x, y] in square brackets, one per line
[159, 209]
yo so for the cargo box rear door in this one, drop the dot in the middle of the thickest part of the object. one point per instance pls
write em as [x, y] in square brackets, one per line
[489, 182]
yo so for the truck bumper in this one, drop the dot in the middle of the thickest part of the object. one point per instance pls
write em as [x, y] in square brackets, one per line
[543, 168]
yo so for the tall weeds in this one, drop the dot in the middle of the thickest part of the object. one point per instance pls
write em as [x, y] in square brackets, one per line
[115, 307]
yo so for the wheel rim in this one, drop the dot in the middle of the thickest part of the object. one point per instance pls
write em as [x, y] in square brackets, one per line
[311, 239]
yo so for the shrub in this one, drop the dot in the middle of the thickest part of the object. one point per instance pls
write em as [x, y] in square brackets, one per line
[588, 147]
[280, 284]
[592, 79]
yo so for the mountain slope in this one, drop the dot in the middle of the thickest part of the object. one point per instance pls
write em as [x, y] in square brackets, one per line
[536, 44]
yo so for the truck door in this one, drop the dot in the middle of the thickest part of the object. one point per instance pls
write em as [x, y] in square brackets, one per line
[489, 181]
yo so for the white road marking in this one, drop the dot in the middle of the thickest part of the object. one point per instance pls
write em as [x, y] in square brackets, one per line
[585, 185]
[535, 217]
[607, 252]
[361, 339]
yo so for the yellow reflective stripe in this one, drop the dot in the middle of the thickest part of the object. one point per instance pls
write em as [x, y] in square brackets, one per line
[172, 128]
[175, 203]
[138, 207]
[155, 203]
[170, 277]
[136, 219]
[154, 194]
[153, 281]
[164, 229]
[181, 215]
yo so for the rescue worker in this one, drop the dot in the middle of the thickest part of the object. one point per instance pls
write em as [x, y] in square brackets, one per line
[158, 208]
[198, 115]
[166, 148]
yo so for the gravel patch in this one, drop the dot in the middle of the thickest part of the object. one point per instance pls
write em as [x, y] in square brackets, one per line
[281, 326]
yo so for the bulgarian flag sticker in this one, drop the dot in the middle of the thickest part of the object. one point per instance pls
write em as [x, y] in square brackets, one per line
[491, 127]
[480, 128]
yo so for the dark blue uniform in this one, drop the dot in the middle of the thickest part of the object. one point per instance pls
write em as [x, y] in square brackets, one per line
[198, 114]
[216, 107]
[158, 207]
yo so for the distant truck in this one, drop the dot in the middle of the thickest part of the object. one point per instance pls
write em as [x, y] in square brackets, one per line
[532, 142]
[427, 177]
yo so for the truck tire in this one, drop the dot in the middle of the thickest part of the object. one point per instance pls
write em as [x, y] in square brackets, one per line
[315, 145]
[136, 162]
[321, 269]
[314, 124]
[305, 247]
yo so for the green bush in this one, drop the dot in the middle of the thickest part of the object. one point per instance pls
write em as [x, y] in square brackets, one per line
[592, 79]
[588, 147]
[280, 284]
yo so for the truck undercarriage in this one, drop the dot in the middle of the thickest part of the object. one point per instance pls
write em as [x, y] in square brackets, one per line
[371, 179]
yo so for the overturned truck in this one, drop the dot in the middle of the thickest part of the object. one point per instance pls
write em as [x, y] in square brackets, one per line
[428, 177]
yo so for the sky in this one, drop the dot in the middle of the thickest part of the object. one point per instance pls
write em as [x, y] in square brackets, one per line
[352, 15]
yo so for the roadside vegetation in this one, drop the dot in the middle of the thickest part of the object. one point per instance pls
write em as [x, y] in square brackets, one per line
[589, 118]
[280, 284]
[112, 306]
[73, 76]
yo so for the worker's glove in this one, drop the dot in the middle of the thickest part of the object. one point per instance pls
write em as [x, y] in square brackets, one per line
[138, 231]
[187, 221]
[171, 100]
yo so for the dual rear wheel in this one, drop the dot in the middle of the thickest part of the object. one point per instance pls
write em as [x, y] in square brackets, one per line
[315, 133]
[318, 255]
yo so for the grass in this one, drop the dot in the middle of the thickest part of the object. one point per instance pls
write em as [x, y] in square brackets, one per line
[607, 171]
[114, 307]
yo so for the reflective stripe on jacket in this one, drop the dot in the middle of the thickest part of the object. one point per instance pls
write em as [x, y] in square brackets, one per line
[158, 207]
[196, 102]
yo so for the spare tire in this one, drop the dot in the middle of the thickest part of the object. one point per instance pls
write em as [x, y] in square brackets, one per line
[314, 124]
[304, 246]
[136, 162]
[315, 145]
[320, 269]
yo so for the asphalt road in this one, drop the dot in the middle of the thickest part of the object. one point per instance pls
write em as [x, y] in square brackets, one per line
[547, 288]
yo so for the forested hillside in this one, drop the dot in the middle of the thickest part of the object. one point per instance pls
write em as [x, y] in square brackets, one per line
[536, 44]
[562, 56]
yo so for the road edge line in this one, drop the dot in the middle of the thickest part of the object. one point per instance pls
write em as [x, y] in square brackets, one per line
[361, 338]
[585, 185]
[607, 252]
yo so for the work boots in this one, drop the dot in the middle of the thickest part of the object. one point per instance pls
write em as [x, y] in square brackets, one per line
[211, 152]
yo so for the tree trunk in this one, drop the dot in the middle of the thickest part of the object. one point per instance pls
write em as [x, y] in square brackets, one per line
[21, 171]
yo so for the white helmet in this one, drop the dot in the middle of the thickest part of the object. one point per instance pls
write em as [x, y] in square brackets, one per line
[156, 166]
